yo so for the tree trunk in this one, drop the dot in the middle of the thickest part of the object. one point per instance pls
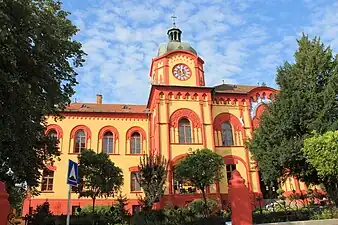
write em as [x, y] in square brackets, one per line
[205, 201]
[94, 203]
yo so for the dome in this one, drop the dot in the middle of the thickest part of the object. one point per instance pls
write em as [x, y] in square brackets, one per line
[175, 43]
[172, 46]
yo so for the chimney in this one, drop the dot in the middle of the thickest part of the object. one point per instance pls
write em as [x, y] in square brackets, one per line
[98, 99]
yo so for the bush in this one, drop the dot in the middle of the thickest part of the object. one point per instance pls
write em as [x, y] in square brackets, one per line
[326, 214]
[99, 209]
[174, 216]
[41, 215]
[115, 214]
[198, 207]
[180, 216]
[154, 217]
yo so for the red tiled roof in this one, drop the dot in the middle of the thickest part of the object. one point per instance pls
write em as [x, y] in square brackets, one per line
[230, 88]
[106, 108]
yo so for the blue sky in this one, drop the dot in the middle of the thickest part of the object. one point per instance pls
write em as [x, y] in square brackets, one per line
[241, 41]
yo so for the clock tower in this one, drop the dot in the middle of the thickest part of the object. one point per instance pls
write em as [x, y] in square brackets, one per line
[177, 63]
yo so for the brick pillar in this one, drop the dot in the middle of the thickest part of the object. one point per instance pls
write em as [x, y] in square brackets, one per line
[4, 204]
[239, 197]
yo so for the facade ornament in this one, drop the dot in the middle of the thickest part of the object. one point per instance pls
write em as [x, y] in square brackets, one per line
[255, 104]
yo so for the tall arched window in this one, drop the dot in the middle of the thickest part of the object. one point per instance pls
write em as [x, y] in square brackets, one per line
[184, 129]
[227, 137]
[135, 143]
[108, 142]
[52, 133]
[80, 141]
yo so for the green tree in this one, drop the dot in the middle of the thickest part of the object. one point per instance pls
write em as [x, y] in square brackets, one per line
[121, 214]
[153, 170]
[17, 195]
[37, 76]
[306, 102]
[202, 168]
[98, 176]
[321, 151]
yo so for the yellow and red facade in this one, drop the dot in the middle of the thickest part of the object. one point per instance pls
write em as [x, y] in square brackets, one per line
[157, 124]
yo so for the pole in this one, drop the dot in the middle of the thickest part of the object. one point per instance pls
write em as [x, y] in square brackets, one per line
[68, 205]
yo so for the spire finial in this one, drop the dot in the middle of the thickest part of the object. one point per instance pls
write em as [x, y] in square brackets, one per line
[173, 17]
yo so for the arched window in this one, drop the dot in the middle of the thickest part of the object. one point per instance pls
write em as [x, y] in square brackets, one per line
[52, 133]
[184, 129]
[227, 138]
[80, 141]
[108, 142]
[135, 143]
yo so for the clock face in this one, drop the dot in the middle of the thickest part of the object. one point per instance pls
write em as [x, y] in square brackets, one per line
[182, 72]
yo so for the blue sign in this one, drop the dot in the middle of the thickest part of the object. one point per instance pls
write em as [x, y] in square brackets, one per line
[73, 173]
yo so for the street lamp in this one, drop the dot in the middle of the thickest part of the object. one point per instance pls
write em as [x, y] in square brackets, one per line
[271, 190]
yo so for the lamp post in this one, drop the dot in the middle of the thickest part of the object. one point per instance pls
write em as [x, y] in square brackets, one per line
[271, 190]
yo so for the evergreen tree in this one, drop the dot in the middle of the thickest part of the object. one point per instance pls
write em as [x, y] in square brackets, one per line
[307, 101]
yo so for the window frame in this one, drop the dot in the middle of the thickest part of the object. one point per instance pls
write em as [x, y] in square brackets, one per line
[81, 137]
[52, 130]
[133, 145]
[48, 176]
[104, 138]
[231, 167]
[134, 184]
[184, 126]
[226, 132]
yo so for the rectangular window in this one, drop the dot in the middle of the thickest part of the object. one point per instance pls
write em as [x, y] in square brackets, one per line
[135, 146]
[188, 135]
[80, 144]
[181, 135]
[108, 145]
[134, 184]
[229, 169]
[47, 180]
[185, 134]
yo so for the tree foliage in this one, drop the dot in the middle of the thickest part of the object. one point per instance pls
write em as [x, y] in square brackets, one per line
[17, 194]
[202, 168]
[307, 101]
[153, 170]
[37, 61]
[321, 151]
[98, 176]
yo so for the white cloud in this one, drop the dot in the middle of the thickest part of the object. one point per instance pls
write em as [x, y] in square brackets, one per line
[240, 41]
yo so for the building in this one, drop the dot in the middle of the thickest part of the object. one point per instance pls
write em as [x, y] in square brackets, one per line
[181, 114]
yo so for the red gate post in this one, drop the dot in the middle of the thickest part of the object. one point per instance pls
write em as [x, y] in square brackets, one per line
[239, 197]
[4, 204]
